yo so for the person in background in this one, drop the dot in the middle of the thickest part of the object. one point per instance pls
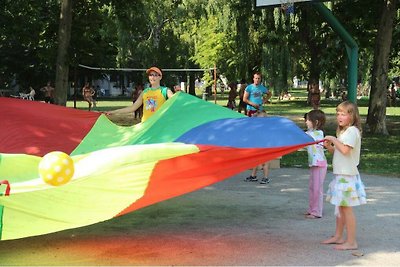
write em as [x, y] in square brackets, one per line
[177, 88]
[315, 120]
[255, 95]
[346, 190]
[31, 94]
[48, 91]
[152, 98]
[88, 92]
[135, 95]
[242, 105]
[264, 166]
[315, 94]
[232, 96]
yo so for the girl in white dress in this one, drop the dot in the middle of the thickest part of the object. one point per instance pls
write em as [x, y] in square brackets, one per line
[346, 190]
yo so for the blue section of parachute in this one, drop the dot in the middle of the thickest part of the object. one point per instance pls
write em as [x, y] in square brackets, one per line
[247, 133]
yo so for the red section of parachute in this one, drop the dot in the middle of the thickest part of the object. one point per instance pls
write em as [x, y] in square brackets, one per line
[42, 128]
[184, 174]
[8, 188]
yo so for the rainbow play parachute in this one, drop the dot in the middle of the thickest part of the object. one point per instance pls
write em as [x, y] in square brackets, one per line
[187, 145]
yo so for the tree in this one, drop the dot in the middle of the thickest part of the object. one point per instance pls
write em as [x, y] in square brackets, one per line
[187, 34]
[377, 102]
[27, 42]
[62, 65]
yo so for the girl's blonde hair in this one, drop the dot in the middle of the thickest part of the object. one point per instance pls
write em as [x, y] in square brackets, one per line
[352, 109]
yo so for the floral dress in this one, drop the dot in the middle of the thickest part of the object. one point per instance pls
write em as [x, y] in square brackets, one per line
[347, 189]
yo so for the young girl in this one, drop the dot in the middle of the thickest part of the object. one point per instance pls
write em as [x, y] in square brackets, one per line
[347, 189]
[315, 121]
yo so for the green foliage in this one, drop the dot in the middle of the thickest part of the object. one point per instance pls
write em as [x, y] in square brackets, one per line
[93, 34]
[27, 41]
[212, 45]
[394, 63]
[230, 34]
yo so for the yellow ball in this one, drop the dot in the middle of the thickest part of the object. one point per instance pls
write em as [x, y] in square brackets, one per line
[56, 168]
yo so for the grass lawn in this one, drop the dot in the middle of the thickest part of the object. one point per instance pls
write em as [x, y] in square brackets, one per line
[379, 154]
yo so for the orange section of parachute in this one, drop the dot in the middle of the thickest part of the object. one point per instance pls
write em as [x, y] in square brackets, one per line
[184, 174]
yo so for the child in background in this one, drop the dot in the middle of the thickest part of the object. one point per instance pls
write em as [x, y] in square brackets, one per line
[242, 105]
[88, 92]
[232, 96]
[315, 120]
[346, 190]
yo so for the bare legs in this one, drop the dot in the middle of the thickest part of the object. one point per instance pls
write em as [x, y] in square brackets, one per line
[350, 224]
[90, 101]
[90, 104]
[264, 166]
[346, 219]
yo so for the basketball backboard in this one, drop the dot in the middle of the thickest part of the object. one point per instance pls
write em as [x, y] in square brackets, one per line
[264, 3]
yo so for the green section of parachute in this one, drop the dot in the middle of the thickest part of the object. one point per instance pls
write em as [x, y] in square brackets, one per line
[105, 134]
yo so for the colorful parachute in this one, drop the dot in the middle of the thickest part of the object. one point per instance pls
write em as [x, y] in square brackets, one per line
[188, 144]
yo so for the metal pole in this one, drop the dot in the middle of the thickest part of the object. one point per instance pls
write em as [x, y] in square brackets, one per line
[351, 49]
[215, 83]
[75, 76]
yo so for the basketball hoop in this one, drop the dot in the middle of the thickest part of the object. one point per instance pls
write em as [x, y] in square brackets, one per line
[287, 6]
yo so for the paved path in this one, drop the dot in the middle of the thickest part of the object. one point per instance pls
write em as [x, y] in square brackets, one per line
[229, 223]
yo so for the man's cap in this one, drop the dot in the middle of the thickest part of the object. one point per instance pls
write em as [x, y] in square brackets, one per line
[155, 69]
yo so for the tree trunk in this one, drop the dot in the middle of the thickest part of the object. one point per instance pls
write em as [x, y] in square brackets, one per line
[308, 35]
[62, 66]
[378, 96]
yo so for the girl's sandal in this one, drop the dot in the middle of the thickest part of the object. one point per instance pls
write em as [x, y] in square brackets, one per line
[310, 216]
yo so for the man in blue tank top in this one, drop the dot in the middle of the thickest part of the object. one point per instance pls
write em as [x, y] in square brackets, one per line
[254, 95]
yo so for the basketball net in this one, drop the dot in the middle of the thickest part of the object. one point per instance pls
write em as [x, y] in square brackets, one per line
[287, 6]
